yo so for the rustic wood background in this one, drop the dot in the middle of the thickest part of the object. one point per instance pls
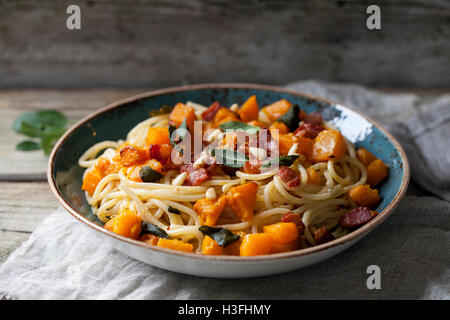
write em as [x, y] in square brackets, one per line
[137, 43]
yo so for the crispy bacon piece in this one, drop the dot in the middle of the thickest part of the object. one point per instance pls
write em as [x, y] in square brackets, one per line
[295, 218]
[314, 118]
[322, 235]
[357, 217]
[208, 114]
[195, 176]
[289, 176]
[214, 169]
[252, 167]
[308, 130]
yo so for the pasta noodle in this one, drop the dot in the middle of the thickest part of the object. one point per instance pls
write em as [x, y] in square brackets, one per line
[318, 192]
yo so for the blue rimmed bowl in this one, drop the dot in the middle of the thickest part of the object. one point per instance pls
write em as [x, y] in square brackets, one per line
[114, 121]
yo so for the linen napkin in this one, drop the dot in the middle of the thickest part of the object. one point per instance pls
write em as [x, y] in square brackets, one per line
[63, 259]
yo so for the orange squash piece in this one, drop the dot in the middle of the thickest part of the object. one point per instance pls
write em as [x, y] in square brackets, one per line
[365, 196]
[280, 126]
[91, 180]
[156, 135]
[224, 115]
[209, 211]
[175, 244]
[130, 155]
[127, 224]
[328, 145]
[285, 247]
[249, 110]
[313, 176]
[211, 247]
[377, 170]
[242, 200]
[285, 142]
[256, 244]
[282, 232]
[181, 112]
[304, 146]
[365, 156]
[154, 164]
[276, 109]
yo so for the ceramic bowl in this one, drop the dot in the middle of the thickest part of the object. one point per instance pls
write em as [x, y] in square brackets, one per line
[115, 120]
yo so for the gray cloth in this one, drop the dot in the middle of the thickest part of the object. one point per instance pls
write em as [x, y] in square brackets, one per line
[63, 259]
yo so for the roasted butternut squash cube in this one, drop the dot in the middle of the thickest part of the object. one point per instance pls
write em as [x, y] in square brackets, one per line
[328, 145]
[256, 244]
[156, 135]
[211, 247]
[175, 244]
[183, 112]
[242, 200]
[91, 180]
[249, 110]
[280, 126]
[286, 247]
[131, 155]
[127, 224]
[224, 115]
[313, 176]
[365, 196]
[210, 210]
[276, 109]
[365, 156]
[282, 232]
[377, 171]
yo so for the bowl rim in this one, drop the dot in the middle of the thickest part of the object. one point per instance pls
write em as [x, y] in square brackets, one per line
[364, 230]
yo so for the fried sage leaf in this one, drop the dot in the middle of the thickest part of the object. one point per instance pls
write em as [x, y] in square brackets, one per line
[290, 118]
[237, 125]
[223, 237]
[229, 158]
[281, 161]
[153, 229]
[173, 210]
[148, 174]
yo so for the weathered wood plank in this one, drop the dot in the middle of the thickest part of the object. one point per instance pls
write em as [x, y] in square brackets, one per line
[23, 206]
[29, 166]
[164, 43]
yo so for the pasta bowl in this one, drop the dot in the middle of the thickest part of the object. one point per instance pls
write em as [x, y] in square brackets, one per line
[114, 121]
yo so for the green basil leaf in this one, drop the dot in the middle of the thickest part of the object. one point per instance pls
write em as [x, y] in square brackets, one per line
[290, 118]
[31, 130]
[173, 210]
[47, 143]
[237, 125]
[147, 174]
[153, 229]
[27, 145]
[229, 158]
[282, 161]
[165, 109]
[223, 237]
[52, 118]
[28, 117]
[53, 131]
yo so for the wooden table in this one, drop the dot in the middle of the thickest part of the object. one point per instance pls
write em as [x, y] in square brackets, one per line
[25, 198]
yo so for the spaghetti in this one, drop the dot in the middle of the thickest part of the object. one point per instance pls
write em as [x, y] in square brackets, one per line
[303, 186]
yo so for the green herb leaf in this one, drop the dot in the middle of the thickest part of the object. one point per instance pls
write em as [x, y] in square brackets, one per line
[282, 161]
[223, 237]
[147, 174]
[27, 145]
[165, 109]
[229, 158]
[237, 125]
[173, 210]
[290, 118]
[153, 229]
[48, 125]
